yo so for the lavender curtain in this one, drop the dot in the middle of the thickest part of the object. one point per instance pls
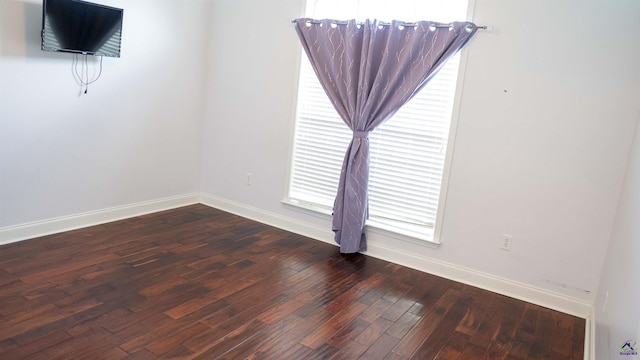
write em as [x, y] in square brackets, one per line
[369, 70]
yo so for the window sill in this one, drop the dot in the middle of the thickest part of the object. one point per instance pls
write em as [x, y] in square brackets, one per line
[418, 236]
[311, 208]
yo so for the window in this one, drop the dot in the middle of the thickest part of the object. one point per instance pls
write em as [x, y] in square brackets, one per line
[407, 152]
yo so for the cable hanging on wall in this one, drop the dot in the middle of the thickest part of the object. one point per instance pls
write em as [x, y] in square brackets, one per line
[80, 70]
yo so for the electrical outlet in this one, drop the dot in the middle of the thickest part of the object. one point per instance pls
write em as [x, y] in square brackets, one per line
[506, 242]
[247, 179]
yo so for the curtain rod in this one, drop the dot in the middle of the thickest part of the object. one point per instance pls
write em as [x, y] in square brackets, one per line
[408, 24]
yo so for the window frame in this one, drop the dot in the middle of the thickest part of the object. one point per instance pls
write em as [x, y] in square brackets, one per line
[431, 238]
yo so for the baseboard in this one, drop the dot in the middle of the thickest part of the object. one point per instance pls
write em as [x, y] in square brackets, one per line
[53, 226]
[485, 281]
[269, 218]
[590, 336]
[482, 280]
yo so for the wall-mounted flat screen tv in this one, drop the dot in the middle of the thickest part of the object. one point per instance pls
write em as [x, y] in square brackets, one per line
[81, 27]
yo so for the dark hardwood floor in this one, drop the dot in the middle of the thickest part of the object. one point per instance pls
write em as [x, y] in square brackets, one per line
[199, 283]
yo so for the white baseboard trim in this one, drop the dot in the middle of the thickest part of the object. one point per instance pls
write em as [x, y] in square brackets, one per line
[65, 223]
[446, 270]
[590, 336]
[269, 218]
[482, 280]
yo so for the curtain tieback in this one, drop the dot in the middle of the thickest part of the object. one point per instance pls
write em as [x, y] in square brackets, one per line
[360, 134]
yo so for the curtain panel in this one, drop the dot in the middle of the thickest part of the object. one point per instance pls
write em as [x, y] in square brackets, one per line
[369, 70]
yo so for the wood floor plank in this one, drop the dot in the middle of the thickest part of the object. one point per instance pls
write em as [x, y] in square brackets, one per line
[373, 332]
[380, 348]
[265, 340]
[199, 283]
[427, 324]
[352, 350]
[437, 339]
[453, 347]
[326, 330]
[42, 344]
[231, 340]
[349, 333]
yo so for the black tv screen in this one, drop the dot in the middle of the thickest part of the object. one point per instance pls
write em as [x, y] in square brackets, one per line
[81, 27]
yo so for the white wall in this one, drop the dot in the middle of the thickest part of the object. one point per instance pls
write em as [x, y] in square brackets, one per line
[250, 100]
[616, 307]
[134, 137]
[546, 123]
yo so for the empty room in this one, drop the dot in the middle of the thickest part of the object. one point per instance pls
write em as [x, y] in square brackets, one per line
[319, 179]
